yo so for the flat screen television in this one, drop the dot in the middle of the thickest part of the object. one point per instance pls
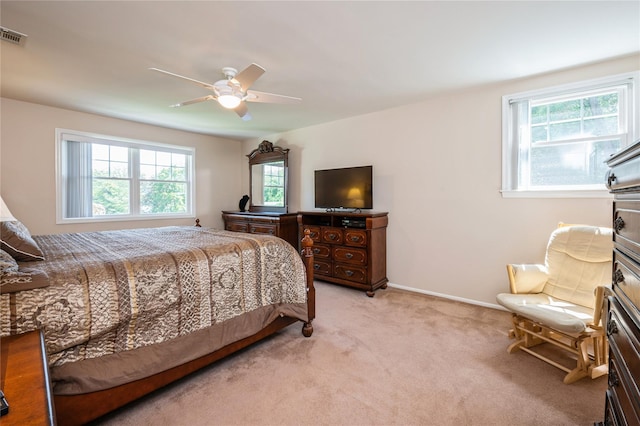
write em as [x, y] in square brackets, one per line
[345, 188]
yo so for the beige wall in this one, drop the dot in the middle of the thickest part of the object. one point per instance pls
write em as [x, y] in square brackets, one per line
[437, 171]
[27, 165]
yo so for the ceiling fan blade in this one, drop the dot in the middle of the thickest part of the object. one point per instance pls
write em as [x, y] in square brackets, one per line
[201, 83]
[194, 101]
[243, 111]
[255, 96]
[248, 76]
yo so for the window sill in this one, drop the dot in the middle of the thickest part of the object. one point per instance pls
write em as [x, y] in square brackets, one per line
[595, 193]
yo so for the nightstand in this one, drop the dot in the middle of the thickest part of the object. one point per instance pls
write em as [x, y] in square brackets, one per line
[24, 379]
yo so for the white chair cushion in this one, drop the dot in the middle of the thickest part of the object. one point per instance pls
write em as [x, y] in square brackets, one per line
[544, 309]
[528, 278]
[578, 259]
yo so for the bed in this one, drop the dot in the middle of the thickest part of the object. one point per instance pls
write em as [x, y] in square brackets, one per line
[126, 312]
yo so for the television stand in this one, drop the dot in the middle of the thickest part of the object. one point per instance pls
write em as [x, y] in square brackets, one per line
[350, 248]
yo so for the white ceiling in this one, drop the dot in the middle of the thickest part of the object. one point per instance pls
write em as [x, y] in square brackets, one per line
[342, 58]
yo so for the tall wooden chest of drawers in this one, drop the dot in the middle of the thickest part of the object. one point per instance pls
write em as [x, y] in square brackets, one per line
[622, 406]
[349, 248]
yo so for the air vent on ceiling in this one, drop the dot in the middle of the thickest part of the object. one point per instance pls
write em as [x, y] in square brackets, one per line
[12, 36]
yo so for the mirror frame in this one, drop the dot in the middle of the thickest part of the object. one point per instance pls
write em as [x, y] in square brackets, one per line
[267, 153]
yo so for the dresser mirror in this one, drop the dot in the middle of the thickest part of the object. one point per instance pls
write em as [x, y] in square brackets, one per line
[268, 178]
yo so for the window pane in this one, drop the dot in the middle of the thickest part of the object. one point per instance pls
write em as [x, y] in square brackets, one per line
[100, 152]
[601, 126]
[119, 170]
[119, 153]
[147, 172]
[539, 134]
[564, 110]
[600, 105]
[539, 114]
[147, 157]
[560, 131]
[110, 197]
[178, 160]
[179, 173]
[163, 197]
[273, 196]
[164, 173]
[100, 168]
[163, 158]
[571, 164]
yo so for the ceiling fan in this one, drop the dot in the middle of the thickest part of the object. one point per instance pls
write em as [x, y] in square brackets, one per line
[233, 92]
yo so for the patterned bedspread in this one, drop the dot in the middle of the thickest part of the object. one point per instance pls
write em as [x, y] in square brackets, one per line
[115, 291]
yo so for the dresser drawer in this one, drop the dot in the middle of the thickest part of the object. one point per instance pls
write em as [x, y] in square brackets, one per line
[350, 255]
[622, 399]
[624, 174]
[624, 343]
[350, 272]
[626, 277]
[355, 238]
[321, 251]
[263, 228]
[321, 268]
[626, 224]
[314, 233]
[237, 226]
[331, 235]
[282, 225]
[611, 410]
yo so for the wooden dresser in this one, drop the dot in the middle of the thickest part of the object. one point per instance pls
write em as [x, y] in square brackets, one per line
[349, 248]
[283, 225]
[622, 406]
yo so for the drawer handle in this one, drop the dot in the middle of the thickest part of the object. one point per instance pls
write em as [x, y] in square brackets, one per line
[348, 255]
[348, 273]
[355, 239]
[618, 224]
[618, 276]
[612, 328]
[316, 250]
[611, 178]
[332, 236]
[613, 379]
[316, 266]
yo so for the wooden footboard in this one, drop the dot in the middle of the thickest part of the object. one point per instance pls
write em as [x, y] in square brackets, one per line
[80, 409]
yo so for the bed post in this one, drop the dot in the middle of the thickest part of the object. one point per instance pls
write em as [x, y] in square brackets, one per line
[307, 257]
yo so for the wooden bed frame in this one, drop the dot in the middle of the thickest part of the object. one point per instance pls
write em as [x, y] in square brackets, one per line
[80, 409]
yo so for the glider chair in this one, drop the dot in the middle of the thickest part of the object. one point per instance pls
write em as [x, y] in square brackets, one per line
[562, 301]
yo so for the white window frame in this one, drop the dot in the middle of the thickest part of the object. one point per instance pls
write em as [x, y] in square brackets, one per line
[63, 134]
[510, 149]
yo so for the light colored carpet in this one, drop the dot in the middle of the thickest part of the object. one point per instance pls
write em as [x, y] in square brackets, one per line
[399, 358]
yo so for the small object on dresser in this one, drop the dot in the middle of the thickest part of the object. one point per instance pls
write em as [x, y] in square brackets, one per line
[243, 202]
[4, 406]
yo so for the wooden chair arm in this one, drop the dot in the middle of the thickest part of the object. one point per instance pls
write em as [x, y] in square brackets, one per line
[599, 306]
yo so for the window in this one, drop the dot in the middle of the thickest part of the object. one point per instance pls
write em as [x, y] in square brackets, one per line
[273, 186]
[105, 178]
[556, 141]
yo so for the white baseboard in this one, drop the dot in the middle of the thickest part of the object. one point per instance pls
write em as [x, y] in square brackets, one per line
[448, 296]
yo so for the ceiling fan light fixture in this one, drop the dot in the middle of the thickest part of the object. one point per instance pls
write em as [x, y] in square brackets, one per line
[229, 101]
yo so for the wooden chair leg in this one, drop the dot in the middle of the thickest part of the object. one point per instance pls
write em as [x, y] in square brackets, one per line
[529, 334]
